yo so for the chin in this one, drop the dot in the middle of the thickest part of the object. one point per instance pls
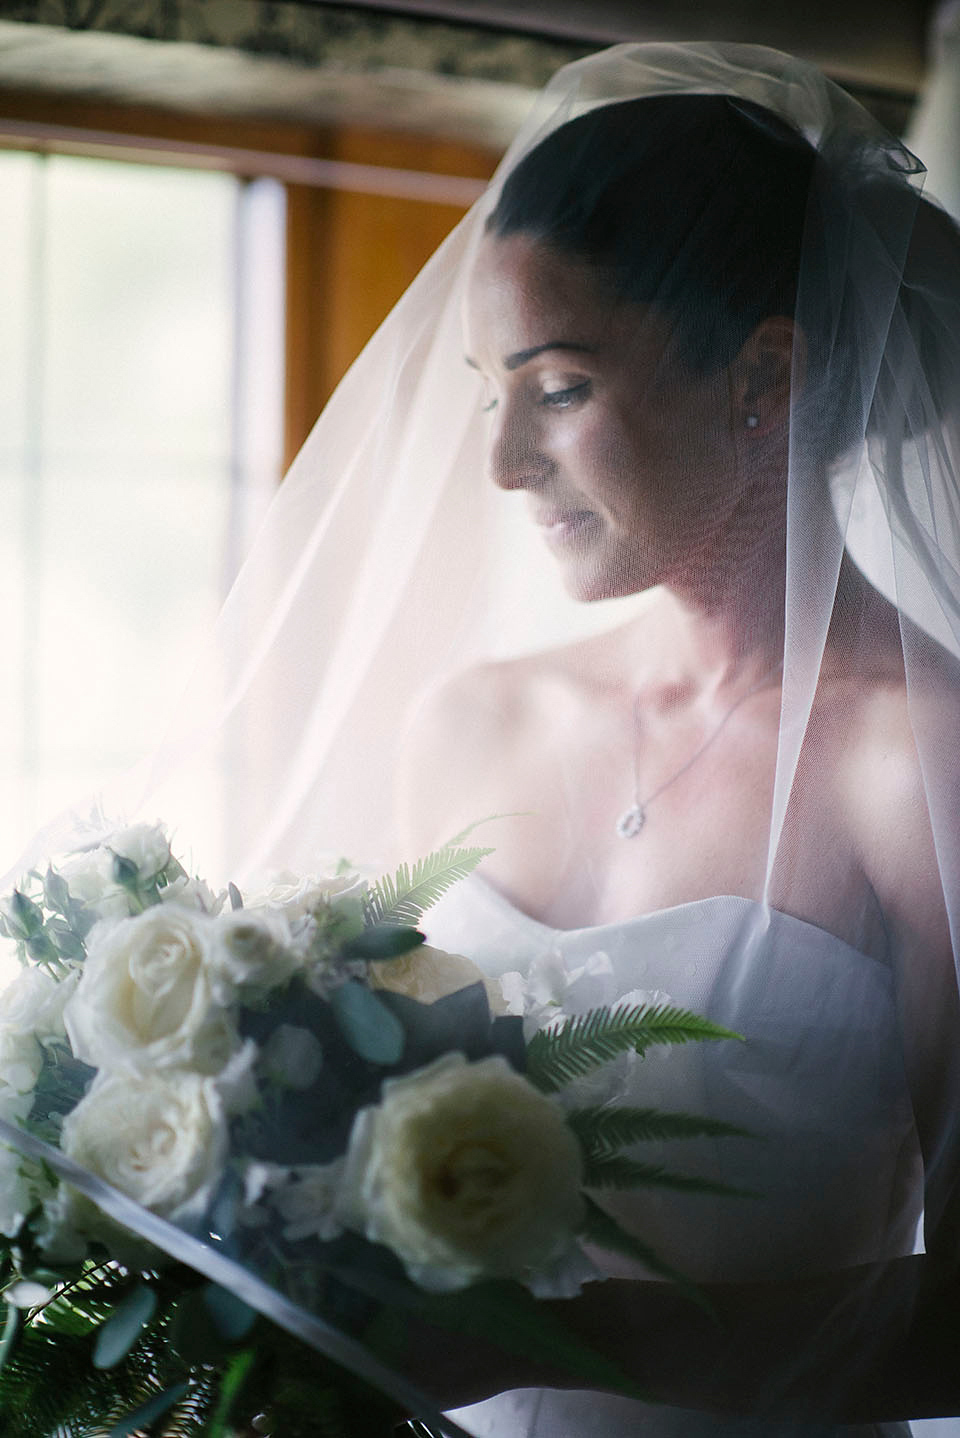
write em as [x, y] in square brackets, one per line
[588, 581]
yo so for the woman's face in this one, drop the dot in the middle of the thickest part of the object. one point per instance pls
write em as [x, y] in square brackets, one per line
[627, 459]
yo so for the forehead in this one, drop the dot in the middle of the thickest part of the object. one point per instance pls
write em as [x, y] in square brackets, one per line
[520, 292]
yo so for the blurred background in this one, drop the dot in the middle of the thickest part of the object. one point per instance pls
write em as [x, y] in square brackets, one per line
[206, 208]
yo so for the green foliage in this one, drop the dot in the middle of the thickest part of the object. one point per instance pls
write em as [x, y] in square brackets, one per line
[150, 1411]
[405, 897]
[122, 1329]
[616, 1170]
[602, 1229]
[569, 1050]
[368, 1026]
[507, 1316]
[602, 1128]
[163, 1384]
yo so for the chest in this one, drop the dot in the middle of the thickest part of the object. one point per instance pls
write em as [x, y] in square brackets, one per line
[707, 803]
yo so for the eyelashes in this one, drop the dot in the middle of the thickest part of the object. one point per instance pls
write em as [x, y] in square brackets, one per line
[551, 399]
[564, 398]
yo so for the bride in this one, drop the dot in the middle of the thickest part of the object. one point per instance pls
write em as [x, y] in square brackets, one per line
[674, 404]
[703, 334]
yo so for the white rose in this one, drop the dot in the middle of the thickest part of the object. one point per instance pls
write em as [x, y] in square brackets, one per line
[89, 872]
[144, 999]
[298, 895]
[160, 1139]
[464, 1170]
[251, 951]
[31, 1010]
[306, 1200]
[34, 1001]
[194, 893]
[89, 877]
[427, 974]
[21, 1059]
[145, 845]
[22, 1185]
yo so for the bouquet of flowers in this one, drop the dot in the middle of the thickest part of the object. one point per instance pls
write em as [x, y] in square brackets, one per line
[236, 1123]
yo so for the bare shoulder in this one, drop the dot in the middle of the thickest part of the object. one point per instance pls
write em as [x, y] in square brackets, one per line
[481, 742]
[895, 798]
[461, 745]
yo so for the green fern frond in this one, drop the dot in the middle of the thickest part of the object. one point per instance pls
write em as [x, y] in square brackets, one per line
[568, 1050]
[601, 1129]
[602, 1229]
[616, 1170]
[403, 897]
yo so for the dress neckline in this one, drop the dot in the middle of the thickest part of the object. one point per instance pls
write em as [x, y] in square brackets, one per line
[496, 899]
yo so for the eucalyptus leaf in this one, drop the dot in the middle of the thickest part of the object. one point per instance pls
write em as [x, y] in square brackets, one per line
[192, 1334]
[68, 945]
[460, 1021]
[56, 892]
[149, 1412]
[41, 948]
[368, 1026]
[118, 1335]
[384, 941]
[24, 917]
[233, 1318]
[81, 918]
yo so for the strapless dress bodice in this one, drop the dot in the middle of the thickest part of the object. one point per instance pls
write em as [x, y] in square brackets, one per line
[831, 1164]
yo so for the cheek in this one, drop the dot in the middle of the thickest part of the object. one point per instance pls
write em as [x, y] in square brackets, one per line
[605, 459]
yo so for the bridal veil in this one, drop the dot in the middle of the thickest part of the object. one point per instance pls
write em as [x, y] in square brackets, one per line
[388, 563]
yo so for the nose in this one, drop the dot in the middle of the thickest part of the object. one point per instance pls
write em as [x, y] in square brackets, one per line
[515, 458]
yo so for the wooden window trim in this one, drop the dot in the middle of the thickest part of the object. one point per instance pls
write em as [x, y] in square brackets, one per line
[356, 179]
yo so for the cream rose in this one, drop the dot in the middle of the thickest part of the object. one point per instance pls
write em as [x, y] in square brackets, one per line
[300, 895]
[251, 951]
[144, 999]
[89, 877]
[161, 1139]
[145, 845]
[428, 974]
[464, 1170]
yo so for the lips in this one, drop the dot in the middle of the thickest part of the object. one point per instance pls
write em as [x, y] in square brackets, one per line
[559, 524]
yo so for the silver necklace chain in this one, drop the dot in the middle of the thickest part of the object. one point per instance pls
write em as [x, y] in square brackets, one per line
[632, 820]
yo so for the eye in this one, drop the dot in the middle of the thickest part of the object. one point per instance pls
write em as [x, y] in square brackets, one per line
[564, 398]
[488, 405]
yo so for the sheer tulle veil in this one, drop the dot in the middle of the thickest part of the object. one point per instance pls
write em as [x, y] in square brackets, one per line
[388, 563]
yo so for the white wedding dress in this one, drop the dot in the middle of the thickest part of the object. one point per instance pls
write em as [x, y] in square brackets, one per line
[833, 1157]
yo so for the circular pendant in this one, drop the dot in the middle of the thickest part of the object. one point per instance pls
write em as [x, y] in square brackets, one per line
[631, 821]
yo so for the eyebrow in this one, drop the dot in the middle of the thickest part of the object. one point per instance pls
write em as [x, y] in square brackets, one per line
[522, 357]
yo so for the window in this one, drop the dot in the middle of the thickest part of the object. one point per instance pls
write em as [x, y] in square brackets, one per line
[141, 375]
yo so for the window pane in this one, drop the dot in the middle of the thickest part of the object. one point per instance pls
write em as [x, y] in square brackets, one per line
[126, 303]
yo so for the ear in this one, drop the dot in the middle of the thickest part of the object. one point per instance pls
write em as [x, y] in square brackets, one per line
[770, 362]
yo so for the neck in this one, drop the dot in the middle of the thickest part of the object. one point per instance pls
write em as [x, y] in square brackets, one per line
[725, 622]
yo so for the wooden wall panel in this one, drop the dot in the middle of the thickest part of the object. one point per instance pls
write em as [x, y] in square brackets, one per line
[350, 258]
